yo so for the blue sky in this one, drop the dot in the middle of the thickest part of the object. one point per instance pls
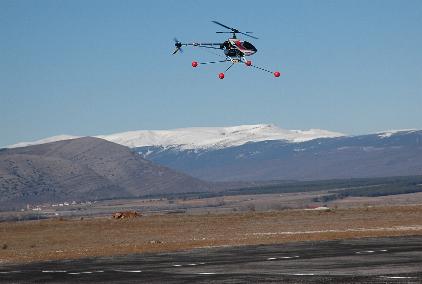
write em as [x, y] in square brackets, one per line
[100, 67]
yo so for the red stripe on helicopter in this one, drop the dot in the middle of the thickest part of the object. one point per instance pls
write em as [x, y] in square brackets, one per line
[240, 46]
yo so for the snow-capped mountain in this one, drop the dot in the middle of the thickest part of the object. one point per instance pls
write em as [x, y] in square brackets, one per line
[43, 141]
[389, 133]
[214, 137]
[266, 152]
[202, 137]
[390, 153]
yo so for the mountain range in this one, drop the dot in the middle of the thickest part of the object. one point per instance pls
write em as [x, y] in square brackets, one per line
[84, 169]
[375, 155]
[201, 137]
[265, 152]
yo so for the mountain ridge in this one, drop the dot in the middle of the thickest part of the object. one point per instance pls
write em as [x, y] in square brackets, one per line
[191, 138]
[372, 155]
[84, 169]
[246, 157]
[201, 137]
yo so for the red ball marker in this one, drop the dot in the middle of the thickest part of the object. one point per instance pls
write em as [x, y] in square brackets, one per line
[221, 75]
[277, 74]
[248, 63]
[194, 64]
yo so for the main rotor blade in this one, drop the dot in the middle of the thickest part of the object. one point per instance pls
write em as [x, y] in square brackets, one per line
[215, 22]
[248, 35]
[234, 30]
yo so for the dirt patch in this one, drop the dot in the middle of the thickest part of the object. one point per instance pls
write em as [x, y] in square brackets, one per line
[74, 238]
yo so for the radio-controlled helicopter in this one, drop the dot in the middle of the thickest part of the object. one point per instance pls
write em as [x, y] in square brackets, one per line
[235, 50]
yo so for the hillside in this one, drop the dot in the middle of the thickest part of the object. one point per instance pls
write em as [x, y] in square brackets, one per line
[83, 169]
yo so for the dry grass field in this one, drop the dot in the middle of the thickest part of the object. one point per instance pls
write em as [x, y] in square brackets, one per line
[29, 241]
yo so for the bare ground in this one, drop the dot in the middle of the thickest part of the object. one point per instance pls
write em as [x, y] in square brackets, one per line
[73, 238]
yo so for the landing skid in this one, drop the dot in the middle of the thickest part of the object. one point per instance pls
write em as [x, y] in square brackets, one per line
[234, 60]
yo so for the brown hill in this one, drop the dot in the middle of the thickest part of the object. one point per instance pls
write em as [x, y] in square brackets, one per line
[84, 169]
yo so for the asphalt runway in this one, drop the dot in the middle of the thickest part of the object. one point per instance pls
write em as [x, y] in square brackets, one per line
[372, 260]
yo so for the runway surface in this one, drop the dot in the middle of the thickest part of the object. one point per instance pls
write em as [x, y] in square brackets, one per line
[372, 260]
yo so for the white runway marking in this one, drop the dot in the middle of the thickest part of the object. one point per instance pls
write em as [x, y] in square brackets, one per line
[192, 264]
[177, 265]
[303, 274]
[376, 229]
[365, 251]
[8, 272]
[54, 271]
[383, 250]
[283, 257]
[128, 271]
[398, 277]
[207, 273]
[75, 273]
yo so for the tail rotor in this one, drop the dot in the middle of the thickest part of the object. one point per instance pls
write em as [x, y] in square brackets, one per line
[178, 46]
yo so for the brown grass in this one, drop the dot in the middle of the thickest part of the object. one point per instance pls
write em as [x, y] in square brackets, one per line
[67, 239]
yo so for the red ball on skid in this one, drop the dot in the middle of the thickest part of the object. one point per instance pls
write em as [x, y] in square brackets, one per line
[221, 75]
[277, 74]
[248, 63]
[194, 64]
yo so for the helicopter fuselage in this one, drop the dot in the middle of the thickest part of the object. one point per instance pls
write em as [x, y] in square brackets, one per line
[234, 47]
